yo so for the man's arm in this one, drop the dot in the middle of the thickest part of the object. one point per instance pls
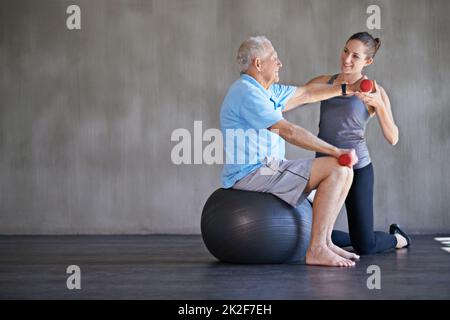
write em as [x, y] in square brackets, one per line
[317, 90]
[302, 138]
[311, 93]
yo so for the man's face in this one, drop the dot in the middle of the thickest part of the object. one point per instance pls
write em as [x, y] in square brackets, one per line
[270, 65]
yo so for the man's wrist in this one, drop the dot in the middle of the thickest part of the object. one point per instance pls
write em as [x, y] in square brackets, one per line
[333, 152]
[336, 152]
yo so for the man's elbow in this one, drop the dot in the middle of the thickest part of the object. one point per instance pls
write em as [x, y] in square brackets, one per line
[286, 131]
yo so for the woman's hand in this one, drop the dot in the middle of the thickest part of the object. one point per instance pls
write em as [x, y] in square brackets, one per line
[355, 87]
[373, 99]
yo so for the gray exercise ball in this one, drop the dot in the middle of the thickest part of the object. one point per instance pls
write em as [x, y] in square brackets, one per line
[255, 228]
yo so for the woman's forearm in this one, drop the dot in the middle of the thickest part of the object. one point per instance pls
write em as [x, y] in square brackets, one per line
[390, 130]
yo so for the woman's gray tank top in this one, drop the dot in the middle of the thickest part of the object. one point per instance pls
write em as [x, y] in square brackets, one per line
[343, 123]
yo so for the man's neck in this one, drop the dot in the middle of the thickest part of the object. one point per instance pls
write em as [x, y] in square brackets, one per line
[257, 76]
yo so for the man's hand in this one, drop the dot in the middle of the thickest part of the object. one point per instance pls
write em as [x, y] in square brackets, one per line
[347, 157]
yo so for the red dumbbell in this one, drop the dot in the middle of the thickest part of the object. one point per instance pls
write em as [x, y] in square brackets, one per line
[348, 159]
[366, 85]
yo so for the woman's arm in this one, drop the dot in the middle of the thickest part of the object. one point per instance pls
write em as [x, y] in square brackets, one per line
[379, 100]
[386, 119]
[320, 79]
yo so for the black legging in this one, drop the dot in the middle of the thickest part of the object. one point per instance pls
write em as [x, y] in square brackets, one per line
[359, 205]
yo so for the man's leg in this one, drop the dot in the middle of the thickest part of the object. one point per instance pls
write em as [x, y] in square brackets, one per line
[341, 201]
[332, 182]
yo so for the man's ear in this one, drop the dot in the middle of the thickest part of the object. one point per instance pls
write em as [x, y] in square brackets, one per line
[257, 64]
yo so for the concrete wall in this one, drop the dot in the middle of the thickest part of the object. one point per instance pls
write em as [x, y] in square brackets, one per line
[86, 116]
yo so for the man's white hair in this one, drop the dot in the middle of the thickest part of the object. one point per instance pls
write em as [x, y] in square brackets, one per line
[253, 47]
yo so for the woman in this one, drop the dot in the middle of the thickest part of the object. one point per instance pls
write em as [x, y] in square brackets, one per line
[343, 122]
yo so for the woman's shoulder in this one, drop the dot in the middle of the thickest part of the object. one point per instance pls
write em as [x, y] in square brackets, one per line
[381, 88]
[323, 79]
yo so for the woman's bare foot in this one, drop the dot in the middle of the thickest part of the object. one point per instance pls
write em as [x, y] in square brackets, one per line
[324, 256]
[401, 241]
[343, 253]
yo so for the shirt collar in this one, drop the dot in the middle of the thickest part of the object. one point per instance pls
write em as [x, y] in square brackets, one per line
[267, 92]
[253, 81]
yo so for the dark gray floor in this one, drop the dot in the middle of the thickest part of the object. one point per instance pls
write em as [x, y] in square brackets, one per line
[180, 267]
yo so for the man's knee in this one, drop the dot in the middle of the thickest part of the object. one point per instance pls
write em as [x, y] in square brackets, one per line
[350, 174]
[342, 173]
[328, 167]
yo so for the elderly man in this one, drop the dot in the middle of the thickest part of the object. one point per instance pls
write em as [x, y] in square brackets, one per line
[256, 102]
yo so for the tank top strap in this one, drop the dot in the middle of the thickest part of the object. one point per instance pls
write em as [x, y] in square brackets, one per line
[333, 78]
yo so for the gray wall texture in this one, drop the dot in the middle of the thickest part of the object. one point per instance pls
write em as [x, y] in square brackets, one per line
[86, 115]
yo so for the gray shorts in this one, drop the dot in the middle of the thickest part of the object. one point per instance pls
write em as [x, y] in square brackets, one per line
[286, 179]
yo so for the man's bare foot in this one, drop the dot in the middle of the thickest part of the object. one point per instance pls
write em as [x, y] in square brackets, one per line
[323, 256]
[401, 241]
[343, 253]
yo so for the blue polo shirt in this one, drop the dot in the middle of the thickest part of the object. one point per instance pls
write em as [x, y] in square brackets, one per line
[247, 111]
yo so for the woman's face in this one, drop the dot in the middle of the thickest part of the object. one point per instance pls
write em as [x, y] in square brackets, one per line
[354, 58]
